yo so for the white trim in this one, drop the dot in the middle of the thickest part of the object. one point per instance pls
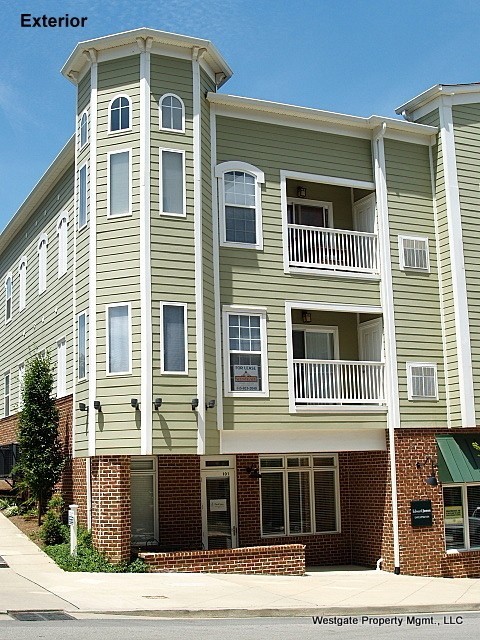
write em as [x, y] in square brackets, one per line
[333, 274]
[92, 258]
[409, 366]
[8, 277]
[216, 273]
[219, 472]
[74, 292]
[303, 440]
[65, 392]
[160, 123]
[319, 328]
[154, 473]
[334, 409]
[22, 298]
[76, 365]
[323, 179]
[62, 258]
[162, 338]
[466, 518]
[401, 254]
[327, 306]
[84, 165]
[386, 294]
[80, 118]
[245, 311]
[249, 169]
[20, 379]
[146, 339]
[130, 115]
[115, 152]
[469, 95]
[42, 248]
[198, 246]
[7, 395]
[42, 238]
[160, 183]
[459, 283]
[107, 335]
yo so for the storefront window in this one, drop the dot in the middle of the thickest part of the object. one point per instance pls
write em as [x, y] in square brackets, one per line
[462, 516]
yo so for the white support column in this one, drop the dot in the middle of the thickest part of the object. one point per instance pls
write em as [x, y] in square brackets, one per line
[145, 253]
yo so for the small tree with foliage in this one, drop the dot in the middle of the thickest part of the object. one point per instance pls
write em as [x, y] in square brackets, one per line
[41, 459]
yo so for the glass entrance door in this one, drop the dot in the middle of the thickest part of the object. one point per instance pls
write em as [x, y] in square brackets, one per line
[218, 507]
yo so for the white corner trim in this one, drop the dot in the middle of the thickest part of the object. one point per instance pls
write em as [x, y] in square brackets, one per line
[198, 245]
[146, 340]
[459, 283]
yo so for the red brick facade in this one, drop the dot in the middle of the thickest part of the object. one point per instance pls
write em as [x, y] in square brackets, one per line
[287, 559]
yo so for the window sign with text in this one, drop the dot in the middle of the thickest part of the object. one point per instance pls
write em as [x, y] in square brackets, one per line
[245, 377]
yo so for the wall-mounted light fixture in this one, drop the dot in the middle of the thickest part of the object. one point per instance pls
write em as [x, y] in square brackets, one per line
[134, 403]
[210, 404]
[253, 472]
[157, 403]
[194, 403]
[306, 317]
[82, 406]
[301, 192]
[97, 406]
[432, 478]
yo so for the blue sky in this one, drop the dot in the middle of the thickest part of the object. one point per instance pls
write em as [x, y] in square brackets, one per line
[351, 56]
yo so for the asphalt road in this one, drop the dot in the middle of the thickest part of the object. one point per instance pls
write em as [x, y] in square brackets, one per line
[424, 627]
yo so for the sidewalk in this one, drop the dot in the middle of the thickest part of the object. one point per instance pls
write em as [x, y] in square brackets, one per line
[34, 581]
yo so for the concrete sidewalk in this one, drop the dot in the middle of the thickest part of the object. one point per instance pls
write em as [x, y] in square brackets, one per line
[33, 581]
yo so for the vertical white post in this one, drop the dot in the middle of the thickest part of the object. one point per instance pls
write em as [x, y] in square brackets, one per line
[72, 521]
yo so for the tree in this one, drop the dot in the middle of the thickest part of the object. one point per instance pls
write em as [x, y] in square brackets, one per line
[41, 458]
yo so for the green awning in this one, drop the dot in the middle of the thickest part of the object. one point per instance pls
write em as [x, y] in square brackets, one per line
[458, 458]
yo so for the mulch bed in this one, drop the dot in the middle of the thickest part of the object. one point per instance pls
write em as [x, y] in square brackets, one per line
[28, 525]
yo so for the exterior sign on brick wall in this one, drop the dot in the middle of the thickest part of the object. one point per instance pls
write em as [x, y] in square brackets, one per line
[421, 511]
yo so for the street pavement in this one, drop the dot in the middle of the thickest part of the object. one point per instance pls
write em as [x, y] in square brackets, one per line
[34, 582]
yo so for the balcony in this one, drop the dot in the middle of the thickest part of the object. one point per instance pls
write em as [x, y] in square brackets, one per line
[333, 249]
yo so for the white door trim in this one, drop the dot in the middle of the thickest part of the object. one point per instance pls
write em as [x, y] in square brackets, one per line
[219, 472]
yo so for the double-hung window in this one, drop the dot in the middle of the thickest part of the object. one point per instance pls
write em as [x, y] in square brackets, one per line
[119, 183]
[422, 381]
[82, 346]
[246, 370]
[173, 338]
[62, 231]
[172, 113]
[120, 114]
[22, 283]
[172, 182]
[82, 197]
[6, 394]
[413, 253]
[42, 263]
[461, 505]
[8, 297]
[61, 368]
[119, 352]
[299, 494]
[240, 204]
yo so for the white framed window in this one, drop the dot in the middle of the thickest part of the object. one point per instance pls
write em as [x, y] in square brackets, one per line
[61, 368]
[82, 346]
[22, 283]
[413, 253]
[8, 297]
[245, 351]
[119, 339]
[240, 204]
[6, 394]
[119, 114]
[172, 191]
[62, 232]
[172, 113]
[315, 342]
[119, 187]
[461, 512]
[82, 197]
[83, 127]
[422, 381]
[42, 263]
[310, 213]
[299, 494]
[21, 377]
[173, 338]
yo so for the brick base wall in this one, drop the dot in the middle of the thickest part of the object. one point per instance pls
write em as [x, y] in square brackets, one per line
[287, 559]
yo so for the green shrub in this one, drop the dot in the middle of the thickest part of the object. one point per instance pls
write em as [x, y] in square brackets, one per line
[90, 560]
[10, 511]
[53, 531]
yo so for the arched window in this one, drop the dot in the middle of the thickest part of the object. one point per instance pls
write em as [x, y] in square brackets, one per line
[22, 284]
[172, 113]
[62, 244]
[240, 204]
[120, 108]
[42, 263]
[8, 297]
[83, 129]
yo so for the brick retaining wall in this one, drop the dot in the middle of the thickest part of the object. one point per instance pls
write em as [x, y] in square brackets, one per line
[287, 559]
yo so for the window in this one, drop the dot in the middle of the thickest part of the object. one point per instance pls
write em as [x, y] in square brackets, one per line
[21, 376]
[422, 381]
[461, 505]
[82, 197]
[61, 368]
[172, 182]
[119, 187]
[172, 113]
[83, 129]
[413, 253]
[8, 459]
[240, 204]
[310, 213]
[315, 343]
[173, 338]
[82, 346]
[245, 365]
[8, 298]
[42, 263]
[6, 394]
[120, 113]
[62, 244]
[22, 285]
[299, 494]
[118, 339]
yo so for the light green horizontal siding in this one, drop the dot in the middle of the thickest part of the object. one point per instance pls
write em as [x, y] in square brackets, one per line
[83, 92]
